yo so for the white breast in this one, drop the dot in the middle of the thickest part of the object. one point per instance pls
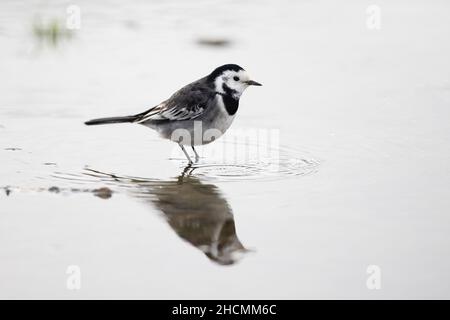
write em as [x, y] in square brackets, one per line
[222, 121]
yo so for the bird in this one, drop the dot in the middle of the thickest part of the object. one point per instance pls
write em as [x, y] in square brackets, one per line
[198, 113]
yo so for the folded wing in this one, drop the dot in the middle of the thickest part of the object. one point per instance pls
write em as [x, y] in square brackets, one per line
[188, 103]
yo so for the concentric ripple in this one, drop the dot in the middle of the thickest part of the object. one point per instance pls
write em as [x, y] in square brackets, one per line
[276, 164]
[284, 164]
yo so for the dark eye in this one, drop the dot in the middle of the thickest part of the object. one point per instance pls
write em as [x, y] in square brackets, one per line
[236, 78]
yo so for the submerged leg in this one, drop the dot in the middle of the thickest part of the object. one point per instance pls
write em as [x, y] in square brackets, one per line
[185, 153]
[187, 171]
[197, 157]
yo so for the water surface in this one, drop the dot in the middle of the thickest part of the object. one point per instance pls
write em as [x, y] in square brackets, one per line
[358, 175]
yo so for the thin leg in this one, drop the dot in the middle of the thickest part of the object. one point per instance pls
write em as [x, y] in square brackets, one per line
[185, 153]
[197, 157]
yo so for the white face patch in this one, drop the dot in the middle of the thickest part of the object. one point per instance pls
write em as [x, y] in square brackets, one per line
[234, 80]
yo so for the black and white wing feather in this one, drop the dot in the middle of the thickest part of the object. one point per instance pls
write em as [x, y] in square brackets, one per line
[188, 103]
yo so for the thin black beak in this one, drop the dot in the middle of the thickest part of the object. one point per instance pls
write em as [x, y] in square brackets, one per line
[253, 83]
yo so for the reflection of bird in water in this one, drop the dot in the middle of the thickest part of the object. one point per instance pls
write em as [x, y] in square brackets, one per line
[196, 211]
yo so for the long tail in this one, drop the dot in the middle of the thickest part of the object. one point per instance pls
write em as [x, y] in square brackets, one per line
[112, 120]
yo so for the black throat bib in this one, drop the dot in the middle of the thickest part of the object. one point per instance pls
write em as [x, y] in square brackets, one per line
[231, 103]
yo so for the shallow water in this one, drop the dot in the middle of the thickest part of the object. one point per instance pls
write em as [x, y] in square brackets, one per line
[349, 167]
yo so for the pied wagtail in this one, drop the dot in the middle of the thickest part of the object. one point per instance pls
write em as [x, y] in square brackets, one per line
[208, 105]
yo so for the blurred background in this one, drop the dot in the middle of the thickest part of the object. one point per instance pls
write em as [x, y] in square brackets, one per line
[358, 92]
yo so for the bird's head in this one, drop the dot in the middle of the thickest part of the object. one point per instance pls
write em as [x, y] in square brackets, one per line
[231, 79]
